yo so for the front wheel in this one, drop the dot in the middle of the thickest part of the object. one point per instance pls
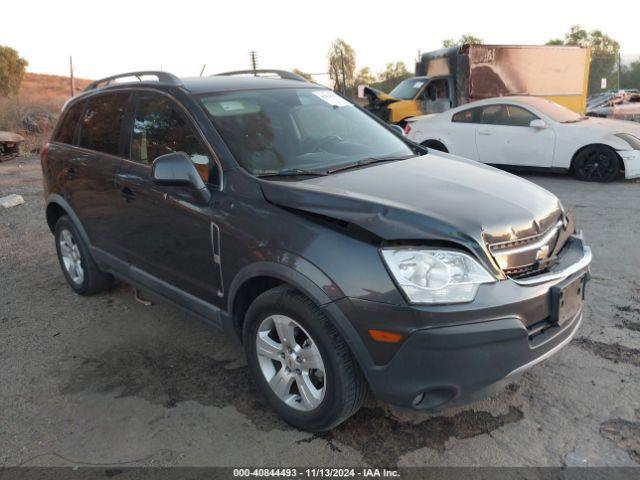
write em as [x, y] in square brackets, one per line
[300, 362]
[597, 163]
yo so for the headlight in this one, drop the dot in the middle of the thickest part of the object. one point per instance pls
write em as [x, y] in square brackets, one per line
[632, 140]
[436, 276]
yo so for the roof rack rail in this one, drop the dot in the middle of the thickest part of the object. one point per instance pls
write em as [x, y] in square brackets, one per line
[281, 73]
[163, 77]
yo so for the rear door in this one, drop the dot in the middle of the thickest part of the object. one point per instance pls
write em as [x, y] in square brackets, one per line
[91, 166]
[167, 232]
[504, 137]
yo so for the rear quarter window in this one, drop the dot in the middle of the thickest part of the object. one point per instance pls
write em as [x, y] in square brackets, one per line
[67, 129]
[466, 116]
[101, 122]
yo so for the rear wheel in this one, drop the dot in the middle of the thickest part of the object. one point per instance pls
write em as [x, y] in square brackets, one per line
[300, 362]
[597, 163]
[78, 267]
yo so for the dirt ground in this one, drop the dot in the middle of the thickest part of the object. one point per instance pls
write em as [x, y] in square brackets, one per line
[106, 380]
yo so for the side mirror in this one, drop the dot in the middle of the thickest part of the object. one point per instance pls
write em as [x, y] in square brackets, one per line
[177, 169]
[538, 123]
[399, 130]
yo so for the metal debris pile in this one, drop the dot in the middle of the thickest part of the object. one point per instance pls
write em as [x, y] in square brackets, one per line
[621, 105]
[9, 145]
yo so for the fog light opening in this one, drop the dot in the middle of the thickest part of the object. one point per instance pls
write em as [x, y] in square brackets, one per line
[434, 398]
[418, 399]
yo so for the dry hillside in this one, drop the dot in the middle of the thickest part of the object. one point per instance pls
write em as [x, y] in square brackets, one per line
[34, 111]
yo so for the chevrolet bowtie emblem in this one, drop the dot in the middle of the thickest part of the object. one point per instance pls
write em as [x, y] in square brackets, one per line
[542, 253]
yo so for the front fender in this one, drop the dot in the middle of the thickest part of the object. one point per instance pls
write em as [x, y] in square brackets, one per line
[297, 271]
[312, 282]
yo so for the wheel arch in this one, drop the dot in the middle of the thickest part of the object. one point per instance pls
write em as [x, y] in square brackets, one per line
[259, 277]
[595, 144]
[434, 143]
[57, 206]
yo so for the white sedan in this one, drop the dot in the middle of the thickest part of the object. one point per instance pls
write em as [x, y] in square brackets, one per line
[531, 132]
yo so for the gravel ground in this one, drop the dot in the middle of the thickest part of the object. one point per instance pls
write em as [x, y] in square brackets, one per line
[106, 380]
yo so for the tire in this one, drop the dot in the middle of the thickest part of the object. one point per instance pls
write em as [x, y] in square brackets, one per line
[330, 398]
[79, 269]
[596, 163]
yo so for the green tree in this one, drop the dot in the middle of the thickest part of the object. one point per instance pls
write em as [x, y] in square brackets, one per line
[393, 74]
[630, 75]
[307, 76]
[342, 66]
[464, 39]
[604, 54]
[364, 76]
[12, 68]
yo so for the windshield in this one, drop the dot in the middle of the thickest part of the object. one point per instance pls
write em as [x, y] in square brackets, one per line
[554, 111]
[298, 130]
[407, 89]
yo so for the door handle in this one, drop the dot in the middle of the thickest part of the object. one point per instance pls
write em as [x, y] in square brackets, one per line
[128, 194]
[484, 132]
[72, 173]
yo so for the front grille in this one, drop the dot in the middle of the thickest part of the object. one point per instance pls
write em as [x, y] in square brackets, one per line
[529, 256]
[524, 272]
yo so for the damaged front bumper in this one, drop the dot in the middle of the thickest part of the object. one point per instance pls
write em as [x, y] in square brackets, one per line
[456, 354]
[631, 160]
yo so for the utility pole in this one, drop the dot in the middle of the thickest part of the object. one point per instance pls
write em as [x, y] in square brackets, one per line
[72, 83]
[618, 69]
[344, 81]
[254, 61]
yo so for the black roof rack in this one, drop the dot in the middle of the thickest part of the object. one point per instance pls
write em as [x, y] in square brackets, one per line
[163, 77]
[259, 72]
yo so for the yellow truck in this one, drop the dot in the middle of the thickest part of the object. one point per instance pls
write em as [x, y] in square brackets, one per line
[454, 76]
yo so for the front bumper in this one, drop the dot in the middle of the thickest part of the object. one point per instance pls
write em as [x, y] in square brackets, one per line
[460, 353]
[631, 160]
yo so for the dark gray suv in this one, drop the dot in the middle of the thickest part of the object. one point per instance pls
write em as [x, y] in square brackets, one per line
[342, 256]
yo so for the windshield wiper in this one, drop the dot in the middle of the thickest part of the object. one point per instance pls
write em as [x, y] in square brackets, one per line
[289, 172]
[369, 161]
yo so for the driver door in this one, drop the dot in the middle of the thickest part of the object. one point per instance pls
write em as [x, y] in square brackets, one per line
[504, 137]
[436, 96]
[166, 232]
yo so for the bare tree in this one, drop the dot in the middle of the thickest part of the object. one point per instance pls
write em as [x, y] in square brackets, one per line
[342, 66]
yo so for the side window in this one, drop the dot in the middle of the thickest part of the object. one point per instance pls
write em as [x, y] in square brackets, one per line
[494, 115]
[508, 115]
[101, 122]
[520, 117]
[159, 129]
[466, 116]
[67, 130]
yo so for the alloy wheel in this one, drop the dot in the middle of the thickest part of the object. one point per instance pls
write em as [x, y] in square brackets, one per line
[71, 256]
[597, 164]
[291, 362]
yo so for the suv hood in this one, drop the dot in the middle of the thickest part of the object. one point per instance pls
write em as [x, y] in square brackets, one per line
[432, 197]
